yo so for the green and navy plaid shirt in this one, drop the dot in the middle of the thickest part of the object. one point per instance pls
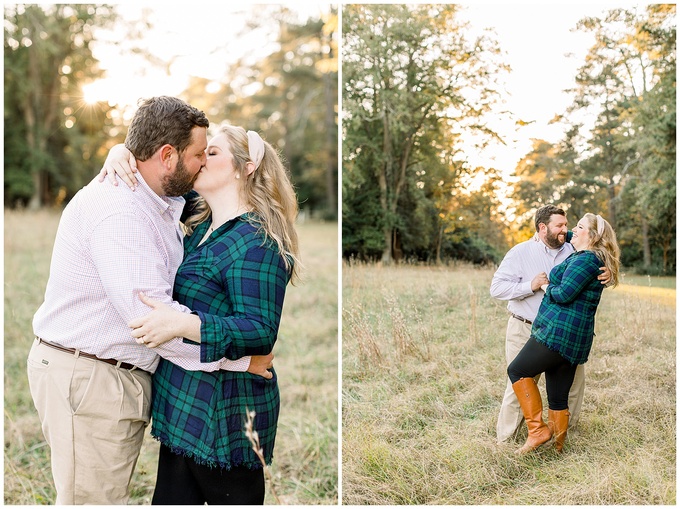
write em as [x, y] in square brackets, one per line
[566, 318]
[236, 284]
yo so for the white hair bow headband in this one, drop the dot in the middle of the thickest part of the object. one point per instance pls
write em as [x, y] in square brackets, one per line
[600, 225]
[255, 148]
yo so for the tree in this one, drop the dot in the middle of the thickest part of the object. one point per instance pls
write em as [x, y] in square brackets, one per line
[412, 84]
[625, 163]
[653, 121]
[47, 59]
[291, 97]
[632, 69]
[543, 177]
[475, 222]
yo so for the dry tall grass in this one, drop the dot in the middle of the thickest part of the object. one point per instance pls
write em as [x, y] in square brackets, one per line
[305, 467]
[424, 375]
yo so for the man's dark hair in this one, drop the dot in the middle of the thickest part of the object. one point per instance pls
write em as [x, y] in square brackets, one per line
[543, 214]
[162, 120]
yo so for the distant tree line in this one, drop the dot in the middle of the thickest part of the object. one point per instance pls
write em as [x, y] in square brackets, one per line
[292, 98]
[412, 83]
[624, 165]
[55, 142]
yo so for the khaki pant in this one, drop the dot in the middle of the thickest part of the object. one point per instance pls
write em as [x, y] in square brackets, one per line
[510, 416]
[93, 416]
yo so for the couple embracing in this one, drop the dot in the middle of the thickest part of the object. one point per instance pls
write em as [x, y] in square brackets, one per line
[553, 283]
[133, 293]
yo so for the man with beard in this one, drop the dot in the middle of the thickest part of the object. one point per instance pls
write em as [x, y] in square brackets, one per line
[89, 378]
[518, 280]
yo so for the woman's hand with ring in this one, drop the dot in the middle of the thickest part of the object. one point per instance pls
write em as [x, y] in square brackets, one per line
[154, 328]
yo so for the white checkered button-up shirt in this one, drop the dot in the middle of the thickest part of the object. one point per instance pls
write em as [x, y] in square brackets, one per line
[111, 244]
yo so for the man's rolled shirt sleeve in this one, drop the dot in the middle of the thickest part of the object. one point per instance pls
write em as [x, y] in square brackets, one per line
[507, 283]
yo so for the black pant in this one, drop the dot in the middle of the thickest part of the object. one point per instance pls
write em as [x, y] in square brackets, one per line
[536, 358]
[182, 481]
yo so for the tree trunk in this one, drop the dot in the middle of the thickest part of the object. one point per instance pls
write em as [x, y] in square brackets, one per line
[384, 190]
[387, 227]
[331, 130]
[387, 251]
[646, 250]
[665, 257]
[439, 244]
[611, 204]
[397, 252]
[30, 117]
[666, 245]
[331, 165]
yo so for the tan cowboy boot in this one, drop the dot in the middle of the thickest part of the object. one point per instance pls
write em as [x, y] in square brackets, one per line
[558, 422]
[529, 399]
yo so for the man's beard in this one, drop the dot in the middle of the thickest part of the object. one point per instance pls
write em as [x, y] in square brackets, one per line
[553, 241]
[179, 182]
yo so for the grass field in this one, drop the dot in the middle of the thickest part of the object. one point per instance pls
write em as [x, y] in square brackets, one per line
[423, 378]
[305, 467]
[648, 281]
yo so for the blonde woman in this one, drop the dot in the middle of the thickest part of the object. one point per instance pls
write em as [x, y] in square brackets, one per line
[562, 334]
[240, 252]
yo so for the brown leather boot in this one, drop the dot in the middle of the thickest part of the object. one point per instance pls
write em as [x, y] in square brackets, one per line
[529, 399]
[558, 422]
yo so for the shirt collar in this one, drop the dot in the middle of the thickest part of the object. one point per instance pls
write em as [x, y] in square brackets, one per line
[544, 247]
[170, 204]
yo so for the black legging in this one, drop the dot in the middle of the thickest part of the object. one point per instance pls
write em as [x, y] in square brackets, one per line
[182, 481]
[536, 358]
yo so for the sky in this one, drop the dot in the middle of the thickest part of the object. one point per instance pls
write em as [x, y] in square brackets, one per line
[536, 38]
[201, 41]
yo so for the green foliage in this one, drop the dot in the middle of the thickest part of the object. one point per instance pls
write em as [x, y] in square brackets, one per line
[291, 97]
[52, 136]
[362, 235]
[412, 84]
[57, 142]
[625, 166]
[17, 174]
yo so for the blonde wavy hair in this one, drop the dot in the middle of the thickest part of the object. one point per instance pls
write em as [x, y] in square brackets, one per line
[604, 244]
[269, 193]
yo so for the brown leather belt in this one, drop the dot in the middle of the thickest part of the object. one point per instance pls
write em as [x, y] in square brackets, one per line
[72, 351]
[528, 322]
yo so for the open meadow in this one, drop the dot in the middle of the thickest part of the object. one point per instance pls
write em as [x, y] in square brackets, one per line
[424, 374]
[305, 466]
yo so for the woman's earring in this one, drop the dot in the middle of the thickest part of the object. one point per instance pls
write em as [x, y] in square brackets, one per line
[238, 175]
